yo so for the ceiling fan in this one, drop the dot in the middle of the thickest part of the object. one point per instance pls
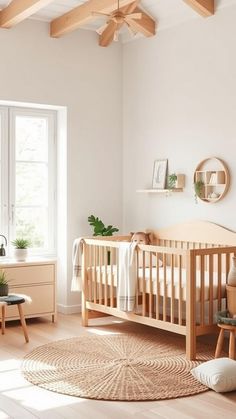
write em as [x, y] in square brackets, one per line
[116, 20]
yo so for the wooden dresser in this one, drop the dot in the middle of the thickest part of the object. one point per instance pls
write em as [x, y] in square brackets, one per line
[35, 278]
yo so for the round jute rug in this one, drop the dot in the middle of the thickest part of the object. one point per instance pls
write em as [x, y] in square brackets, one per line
[144, 366]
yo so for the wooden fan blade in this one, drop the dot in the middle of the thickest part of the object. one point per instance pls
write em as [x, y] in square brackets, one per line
[134, 16]
[108, 34]
[101, 29]
[131, 30]
[131, 25]
[131, 7]
[100, 14]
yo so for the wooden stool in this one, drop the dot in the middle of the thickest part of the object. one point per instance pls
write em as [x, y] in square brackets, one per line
[9, 301]
[219, 346]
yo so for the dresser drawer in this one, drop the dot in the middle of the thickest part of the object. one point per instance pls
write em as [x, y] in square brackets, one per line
[43, 301]
[34, 274]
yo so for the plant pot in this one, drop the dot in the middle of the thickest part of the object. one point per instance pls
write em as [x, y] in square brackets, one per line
[231, 300]
[20, 254]
[180, 182]
[3, 290]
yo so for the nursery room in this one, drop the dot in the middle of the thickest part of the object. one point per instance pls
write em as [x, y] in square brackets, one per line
[117, 209]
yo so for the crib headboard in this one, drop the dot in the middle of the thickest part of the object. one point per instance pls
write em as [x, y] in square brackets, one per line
[196, 233]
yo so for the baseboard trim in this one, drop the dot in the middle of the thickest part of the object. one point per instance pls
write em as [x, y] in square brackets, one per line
[61, 308]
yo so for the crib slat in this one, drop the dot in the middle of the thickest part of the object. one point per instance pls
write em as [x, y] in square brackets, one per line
[138, 280]
[210, 289]
[144, 287]
[180, 300]
[100, 251]
[202, 278]
[157, 287]
[164, 297]
[90, 282]
[219, 287]
[95, 274]
[105, 267]
[112, 277]
[172, 290]
[227, 264]
[150, 286]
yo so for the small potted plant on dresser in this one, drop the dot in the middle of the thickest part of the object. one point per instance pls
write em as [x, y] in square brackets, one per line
[20, 249]
[3, 284]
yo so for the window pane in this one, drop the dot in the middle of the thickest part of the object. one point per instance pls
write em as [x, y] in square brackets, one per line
[32, 180]
[31, 138]
[31, 184]
[33, 225]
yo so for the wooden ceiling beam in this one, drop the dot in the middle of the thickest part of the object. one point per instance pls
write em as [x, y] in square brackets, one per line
[17, 11]
[82, 14]
[205, 8]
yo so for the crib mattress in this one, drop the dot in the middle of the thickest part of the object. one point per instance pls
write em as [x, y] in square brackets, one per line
[145, 282]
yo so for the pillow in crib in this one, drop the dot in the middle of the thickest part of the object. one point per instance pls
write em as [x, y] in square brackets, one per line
[218, 374]
[144, 238]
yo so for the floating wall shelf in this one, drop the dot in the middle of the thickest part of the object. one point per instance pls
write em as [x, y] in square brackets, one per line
[160, 191]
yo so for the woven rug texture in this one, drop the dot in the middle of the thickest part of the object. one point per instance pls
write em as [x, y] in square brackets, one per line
[144, 366]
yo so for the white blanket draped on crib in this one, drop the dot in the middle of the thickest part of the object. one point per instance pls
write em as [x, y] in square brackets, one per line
[76, 283]
[127, 278]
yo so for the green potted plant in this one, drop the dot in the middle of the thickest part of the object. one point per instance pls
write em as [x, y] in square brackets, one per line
[99, 229]
[3, 283]
[20, 248]
[172, 181]
[198, 189]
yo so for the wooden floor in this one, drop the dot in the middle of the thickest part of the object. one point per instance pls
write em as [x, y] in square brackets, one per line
[20, 399]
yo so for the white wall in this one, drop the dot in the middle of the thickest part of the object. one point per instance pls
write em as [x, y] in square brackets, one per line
[179, 103]
[73, 72]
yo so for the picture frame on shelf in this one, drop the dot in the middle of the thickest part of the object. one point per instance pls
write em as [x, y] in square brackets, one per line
[159, 174]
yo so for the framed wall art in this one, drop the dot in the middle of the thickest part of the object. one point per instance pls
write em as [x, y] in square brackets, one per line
[159, 174]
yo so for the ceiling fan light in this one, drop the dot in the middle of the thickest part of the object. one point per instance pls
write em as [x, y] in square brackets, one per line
[116, 36]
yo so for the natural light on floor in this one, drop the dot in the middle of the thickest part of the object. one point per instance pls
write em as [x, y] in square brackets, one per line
[13, 386]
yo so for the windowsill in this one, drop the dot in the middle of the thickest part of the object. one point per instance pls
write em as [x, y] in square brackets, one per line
[10, 261]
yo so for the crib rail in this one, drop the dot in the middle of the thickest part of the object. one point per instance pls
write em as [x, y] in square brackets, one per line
[177, 289]
[210, 267]
[155, 297]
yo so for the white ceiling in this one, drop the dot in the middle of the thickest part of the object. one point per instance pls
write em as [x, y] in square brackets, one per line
[166, 12]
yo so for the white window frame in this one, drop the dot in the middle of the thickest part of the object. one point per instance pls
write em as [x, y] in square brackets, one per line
[10, 114]
[4, 171]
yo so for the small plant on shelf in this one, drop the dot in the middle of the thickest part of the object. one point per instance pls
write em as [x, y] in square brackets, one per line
[99, 227]
[21, 243]
[21, 248]
[172, 181]
[198, 189]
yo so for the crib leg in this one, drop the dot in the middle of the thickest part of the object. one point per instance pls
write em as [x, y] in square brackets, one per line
[191, 345]
[85, 311]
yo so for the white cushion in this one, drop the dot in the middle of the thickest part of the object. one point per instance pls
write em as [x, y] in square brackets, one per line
[218, 374]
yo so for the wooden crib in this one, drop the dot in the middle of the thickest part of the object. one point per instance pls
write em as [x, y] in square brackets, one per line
[180, 279]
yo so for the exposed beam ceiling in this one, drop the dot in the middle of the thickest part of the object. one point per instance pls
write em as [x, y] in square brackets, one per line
[19, 10]
[203, 7]
[80, 15]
